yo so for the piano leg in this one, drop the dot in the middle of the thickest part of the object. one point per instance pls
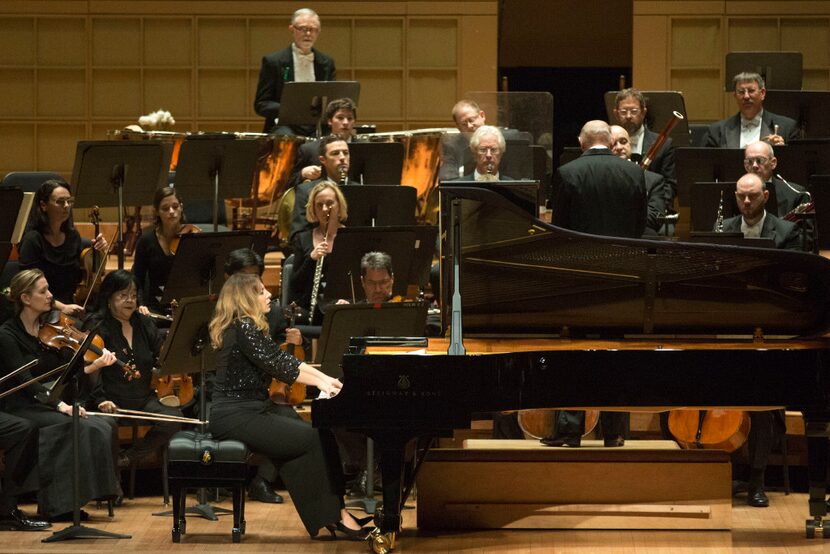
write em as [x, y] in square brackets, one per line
[391, 447]
[818, 435]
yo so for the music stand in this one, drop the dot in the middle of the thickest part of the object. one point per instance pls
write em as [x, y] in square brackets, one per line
[660, 104]
[780, 70]
[375, 163]
[118, 173]
[404, 244]
[524, 193]
[69, 377]
[379, 205]
[700, 165]
[199, 264]
[810, 108]
[186, 349]
[213, 161]
[305, 103]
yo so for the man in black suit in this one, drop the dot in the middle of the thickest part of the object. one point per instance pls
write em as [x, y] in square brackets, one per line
[630, 110]
[487, 147]
[657, 188]
[340, 116]
[299, 62]
[766, 426]
[334, 159]
[752, 122]
[601, 194]
[759, 158]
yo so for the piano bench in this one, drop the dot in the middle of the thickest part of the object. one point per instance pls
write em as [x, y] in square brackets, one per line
[198, 460]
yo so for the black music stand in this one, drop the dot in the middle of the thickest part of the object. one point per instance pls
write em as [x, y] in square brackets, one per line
[525, 193]
[199, 264]
[305, 103]
[375, 163]
[700, 165]
[810, 108]
[660, 104]
[69, 378]
[379, 205]
[186, 349]
[405, 244]
[706, 199]
[210, 162]
[119, 173]
[781, 70]
[801, 158]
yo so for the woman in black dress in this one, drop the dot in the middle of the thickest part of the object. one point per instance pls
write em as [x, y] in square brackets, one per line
[246, 361]
[19, 344]
[53, 245]
[135, 339]
[153, 252]
[326, 209]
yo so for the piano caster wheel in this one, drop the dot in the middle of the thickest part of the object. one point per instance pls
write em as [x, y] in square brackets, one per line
[816, 524]
[382, 543]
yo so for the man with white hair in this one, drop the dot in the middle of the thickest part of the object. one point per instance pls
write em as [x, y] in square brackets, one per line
[300, 62]
[487, 146]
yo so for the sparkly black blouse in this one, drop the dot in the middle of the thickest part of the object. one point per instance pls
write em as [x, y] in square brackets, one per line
[247, 361]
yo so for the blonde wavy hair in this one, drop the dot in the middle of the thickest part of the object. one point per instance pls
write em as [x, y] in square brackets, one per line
[343, 206]
[237, 299]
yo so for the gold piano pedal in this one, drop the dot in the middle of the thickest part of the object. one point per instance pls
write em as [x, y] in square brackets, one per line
[382, 543]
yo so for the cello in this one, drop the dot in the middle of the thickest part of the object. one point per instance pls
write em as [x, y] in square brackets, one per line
[283, 393]
[709, 429]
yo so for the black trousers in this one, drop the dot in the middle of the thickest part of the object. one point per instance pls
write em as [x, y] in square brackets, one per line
[19, 440]
[161, 431]
[307, 458]
[765, 429]
[612, 424]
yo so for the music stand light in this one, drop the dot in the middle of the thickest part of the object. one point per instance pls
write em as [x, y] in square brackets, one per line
[119, 173]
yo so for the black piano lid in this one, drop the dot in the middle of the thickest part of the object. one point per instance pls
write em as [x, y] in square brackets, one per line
[522, 275]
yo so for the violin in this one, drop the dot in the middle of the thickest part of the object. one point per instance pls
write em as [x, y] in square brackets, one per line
[91, 280]
[282, 393]
[188, 228]
[58, 332]
[715, 429]
[133, 231]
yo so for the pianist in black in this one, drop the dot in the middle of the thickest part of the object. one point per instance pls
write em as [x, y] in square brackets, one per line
[601, 194]
[766, 427]
[246, 361]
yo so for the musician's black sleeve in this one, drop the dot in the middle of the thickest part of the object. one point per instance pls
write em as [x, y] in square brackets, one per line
[263, 352]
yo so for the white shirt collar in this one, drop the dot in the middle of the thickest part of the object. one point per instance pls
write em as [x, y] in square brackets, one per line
[484, 177]
[636, 140]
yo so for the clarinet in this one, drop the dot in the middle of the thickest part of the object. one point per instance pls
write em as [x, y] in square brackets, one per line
[318, 275]
[344, 175]
[719, 218]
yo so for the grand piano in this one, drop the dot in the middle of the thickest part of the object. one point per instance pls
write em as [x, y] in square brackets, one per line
[573, 320]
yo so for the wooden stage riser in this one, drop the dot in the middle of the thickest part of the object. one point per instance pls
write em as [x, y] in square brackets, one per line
[574, 495]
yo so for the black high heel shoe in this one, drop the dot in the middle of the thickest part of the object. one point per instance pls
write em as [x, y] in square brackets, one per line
[362, 521]
[339, 531]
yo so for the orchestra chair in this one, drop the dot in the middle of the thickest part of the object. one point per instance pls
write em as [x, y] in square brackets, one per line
[28, 181]
[136, 431]
[198, 460]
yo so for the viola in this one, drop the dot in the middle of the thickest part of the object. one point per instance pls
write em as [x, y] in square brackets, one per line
[716, 429]
[59, 331]
[91, 280]
[173, 390]
[185, 230]
[283, 393]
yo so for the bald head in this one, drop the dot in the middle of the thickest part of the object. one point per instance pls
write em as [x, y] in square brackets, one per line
[752, 196]
[595, 133]
[622, 143]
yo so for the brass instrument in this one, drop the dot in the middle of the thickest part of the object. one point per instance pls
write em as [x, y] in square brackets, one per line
[661, 139]
[719, 218]
[318, 274]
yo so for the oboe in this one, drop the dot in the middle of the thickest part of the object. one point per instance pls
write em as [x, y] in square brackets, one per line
[719, 218]
[318, 274]
[344, 175]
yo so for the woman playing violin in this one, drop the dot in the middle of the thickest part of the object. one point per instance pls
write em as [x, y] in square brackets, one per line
[19, 344]
[327, 209]
[246, 361]
[156, 248]
[53, 245]
[132, 338]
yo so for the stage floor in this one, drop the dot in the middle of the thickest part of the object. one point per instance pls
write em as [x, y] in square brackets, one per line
[276, 528]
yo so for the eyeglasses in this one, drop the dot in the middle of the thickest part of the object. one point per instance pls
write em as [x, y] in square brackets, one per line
[628, 111]
[749, 91]
[307, 30]
[494, 150]
[760, 160]
[64, 202]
